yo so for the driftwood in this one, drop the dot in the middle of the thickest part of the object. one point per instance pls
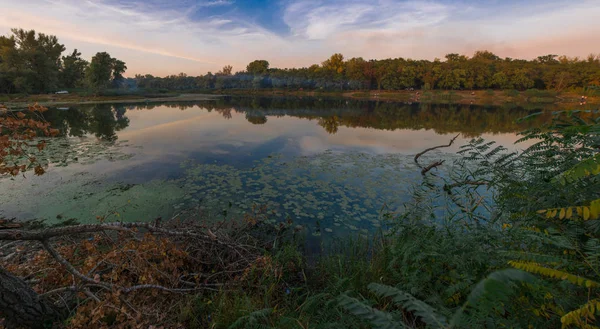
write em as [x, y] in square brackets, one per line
[5, 224]
[426, 169]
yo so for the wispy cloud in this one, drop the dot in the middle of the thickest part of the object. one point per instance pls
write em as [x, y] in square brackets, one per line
[320, 19]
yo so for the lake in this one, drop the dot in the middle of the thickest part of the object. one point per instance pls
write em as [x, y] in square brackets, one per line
[332, 165]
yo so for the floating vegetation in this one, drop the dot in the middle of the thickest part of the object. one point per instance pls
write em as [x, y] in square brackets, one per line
[87, 199]
[61, 152]
[341, 191]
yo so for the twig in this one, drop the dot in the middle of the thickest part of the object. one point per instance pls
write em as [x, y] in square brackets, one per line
[68, 265]
[59, 290]
[173, 290]
[431, 166]
[88, 293]
[433, 148]
[449, 187]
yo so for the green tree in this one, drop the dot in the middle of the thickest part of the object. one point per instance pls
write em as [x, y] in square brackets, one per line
[258, 67]
[227, 70]
[335, 64]
[118, 68]
[73, 69]
[30, 62]
[104, 70]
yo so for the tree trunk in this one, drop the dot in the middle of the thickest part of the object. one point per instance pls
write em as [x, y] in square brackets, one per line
[23, 307]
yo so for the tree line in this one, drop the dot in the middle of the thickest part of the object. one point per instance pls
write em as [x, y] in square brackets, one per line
[33, 62]
[484, 70]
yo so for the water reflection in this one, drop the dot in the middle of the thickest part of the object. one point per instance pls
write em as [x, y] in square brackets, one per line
[229, 138]
[100, 120]
[104, 120]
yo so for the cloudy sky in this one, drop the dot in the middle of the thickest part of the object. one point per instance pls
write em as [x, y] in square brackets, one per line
[197, 36]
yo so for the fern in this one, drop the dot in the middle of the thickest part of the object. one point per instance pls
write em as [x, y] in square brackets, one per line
[253, 320]
[553, 273]
[585, 168]
[375, 317]
[487, 296]
[420, 309]
[582, 316]
[582, 212]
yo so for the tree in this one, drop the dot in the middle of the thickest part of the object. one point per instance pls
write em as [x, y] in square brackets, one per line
[484, 55]
[8, 60]
[227, 69]
[73, 69]
[119, 68]
[335, 64]
[258, 67]
[30, 62]
[104, 70]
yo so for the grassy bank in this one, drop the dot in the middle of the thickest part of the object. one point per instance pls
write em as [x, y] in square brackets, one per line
[86, 98]
[479, 97]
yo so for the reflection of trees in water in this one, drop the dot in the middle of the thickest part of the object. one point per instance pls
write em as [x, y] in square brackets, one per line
[470, 120]
[331, 113]
[225, 112]
[330, 124]
[101, 120]
[256, 119]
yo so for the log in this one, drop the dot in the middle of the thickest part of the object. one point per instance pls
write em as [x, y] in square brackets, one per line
[20, 306]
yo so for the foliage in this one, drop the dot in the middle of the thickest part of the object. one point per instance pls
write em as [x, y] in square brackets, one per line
[536, 193]
[540, 79]
[28, 62]
[32, 63]
[73, 72]
[104, 71]
[19, 142]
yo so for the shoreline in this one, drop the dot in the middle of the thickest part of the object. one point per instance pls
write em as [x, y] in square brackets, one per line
[464, 97]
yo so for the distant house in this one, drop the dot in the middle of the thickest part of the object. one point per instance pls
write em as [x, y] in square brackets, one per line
[62, 92]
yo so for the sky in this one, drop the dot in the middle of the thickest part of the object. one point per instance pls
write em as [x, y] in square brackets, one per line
[198, 36]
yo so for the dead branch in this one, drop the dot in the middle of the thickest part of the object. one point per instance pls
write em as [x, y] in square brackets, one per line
[435, 164]
[45, 234]
[68, 265]
[448, 187]
[172, 290]
[431, 166]
[59, 290]
[230, 252]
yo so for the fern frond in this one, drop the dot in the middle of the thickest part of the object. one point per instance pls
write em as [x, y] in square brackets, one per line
[408, 302]
[377, 318]
[582, 212]
[252, 320]
[497, 282]
[536, 257]
[585, 168]
[581, 316]
[495, 288]
[552, 273]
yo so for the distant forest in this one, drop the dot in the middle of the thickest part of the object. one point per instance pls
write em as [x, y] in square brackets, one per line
[31, 63]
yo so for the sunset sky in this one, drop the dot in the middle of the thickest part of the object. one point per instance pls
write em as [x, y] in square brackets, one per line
[197, 36]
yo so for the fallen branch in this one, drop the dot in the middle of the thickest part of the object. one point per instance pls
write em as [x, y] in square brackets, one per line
[206, 260]
[449, 187]
[418, 155]
[45, 234]
[435, 164]
[431, 166]
[56, 255]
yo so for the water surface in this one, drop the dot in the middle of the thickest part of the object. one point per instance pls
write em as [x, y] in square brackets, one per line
[333, 165]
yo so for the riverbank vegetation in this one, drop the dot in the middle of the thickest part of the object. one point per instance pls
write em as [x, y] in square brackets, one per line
[33, 63]
[528, 257]
[484, 70]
